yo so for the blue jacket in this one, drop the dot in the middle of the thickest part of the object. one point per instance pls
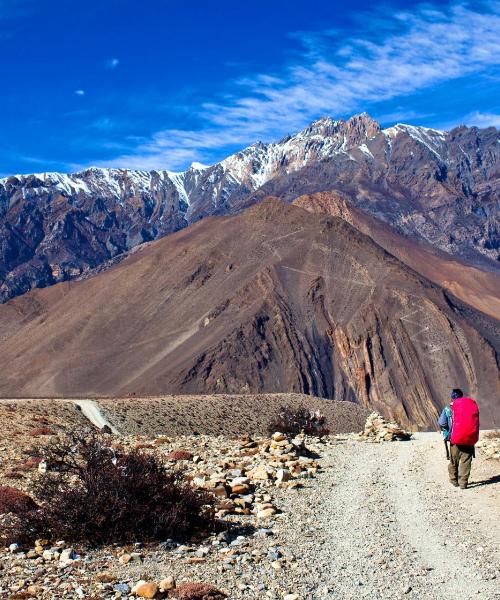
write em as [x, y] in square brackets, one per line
[445, 421]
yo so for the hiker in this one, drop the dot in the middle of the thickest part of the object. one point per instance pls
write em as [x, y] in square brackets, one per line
[460, 425]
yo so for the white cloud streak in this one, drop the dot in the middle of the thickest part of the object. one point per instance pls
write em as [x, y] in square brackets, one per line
[417, 50]
[80, 92]
[112, 63]
[482, 119]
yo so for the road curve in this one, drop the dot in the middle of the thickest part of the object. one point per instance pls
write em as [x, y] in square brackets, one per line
[91, 410]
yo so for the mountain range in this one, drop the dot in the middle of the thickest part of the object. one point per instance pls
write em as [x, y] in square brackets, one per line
[347, 261]
[441, 187]
[277, 298]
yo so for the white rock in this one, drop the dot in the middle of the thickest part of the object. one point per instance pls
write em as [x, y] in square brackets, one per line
[68, 554]
[283, 475]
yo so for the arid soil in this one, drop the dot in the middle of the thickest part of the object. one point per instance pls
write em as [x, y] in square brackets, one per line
[222, 414]
[277, 299]
[383, 522]
[362, 520]
[478, 288]
[28, 424]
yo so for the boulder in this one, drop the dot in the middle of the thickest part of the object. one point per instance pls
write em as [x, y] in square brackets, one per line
[260, 473]
[145, 589]
[283, 475]
[167, 584]
[266, 513]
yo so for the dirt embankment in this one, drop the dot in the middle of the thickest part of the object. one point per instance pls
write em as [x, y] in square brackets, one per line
[221, 414]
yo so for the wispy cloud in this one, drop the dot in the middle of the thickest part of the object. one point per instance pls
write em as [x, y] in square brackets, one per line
[482, 119]
[80, 92]
[333, 75]
[112, 63]
[103, 123]
[47, 162]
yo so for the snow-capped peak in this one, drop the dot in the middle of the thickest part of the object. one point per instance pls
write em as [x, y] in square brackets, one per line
[432, 139]
[198, 166]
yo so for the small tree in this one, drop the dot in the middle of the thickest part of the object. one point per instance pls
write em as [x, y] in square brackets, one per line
[95, 494]
[292, 421]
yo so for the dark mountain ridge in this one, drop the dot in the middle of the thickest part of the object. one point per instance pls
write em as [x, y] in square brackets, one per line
[441, 187]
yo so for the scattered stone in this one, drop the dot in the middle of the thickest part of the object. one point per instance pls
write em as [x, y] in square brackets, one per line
[167, 584]
[68, 554]
[489, 445]
[266, 513]
[283, 475]
[145, 589]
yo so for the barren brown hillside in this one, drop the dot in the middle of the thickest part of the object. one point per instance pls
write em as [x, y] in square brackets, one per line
[477, 287]
[222, 414]
[276, 299]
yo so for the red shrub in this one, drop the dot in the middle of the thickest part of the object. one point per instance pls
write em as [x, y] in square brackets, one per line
[40, 431]
[15, 501]
[198, 591]
[31, 463]
[14, 475]
[179, 455]
[293, 421]
[96, 494]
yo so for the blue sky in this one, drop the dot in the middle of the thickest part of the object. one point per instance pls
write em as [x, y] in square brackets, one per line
[162, 83]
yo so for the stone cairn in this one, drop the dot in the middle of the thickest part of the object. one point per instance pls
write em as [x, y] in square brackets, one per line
[243, 486]
[377, 429]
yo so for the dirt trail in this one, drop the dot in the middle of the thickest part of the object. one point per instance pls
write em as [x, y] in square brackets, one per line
[383, 522]
[92, 411]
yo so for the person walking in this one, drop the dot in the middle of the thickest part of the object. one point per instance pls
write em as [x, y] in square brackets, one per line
[460, 424]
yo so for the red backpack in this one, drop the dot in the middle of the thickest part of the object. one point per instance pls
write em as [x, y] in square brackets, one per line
[465, 430]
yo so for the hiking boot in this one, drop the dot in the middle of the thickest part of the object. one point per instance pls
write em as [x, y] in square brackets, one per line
[463, 486]
[454, 483]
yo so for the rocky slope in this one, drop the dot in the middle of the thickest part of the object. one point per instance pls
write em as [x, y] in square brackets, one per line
[356, 520]
[477, 287]
[438, 186]
[275, 299]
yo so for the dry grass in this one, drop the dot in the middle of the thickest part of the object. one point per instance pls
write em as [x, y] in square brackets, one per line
[222, 414]
[26, 426]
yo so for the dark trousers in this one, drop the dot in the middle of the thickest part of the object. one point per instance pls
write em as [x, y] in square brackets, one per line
[460, 464]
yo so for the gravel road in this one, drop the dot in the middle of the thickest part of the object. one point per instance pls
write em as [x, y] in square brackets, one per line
[93, 412]
[383, 522]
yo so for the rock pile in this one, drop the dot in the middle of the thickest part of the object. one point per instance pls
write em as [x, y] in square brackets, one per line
[251, 478]
[243, 483]
[489, 445]
[377, 429]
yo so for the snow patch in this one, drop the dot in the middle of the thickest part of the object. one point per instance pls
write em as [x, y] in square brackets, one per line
[197, 166]
[178, 180]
